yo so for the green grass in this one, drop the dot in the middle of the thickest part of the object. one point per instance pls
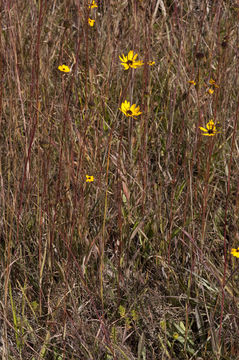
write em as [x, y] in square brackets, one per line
[137, 263]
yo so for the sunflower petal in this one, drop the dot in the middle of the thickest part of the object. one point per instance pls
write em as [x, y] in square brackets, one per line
[210, 125]
[126, 105]
[130, 55]
[126, 66]
[203, 129]
[137, 64]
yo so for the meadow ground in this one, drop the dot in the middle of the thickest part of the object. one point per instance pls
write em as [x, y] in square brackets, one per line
[118, 221]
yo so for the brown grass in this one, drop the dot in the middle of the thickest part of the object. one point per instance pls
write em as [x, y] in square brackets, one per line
[137, 264]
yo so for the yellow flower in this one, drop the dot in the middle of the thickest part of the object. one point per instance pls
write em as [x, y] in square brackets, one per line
[130, 61]
[130, 110]
[64, 68]
[89, 178]
[213, 83]
[192, 82]
[210, 91]
[93, 5]
[175, 335]
[235, 252]
[210, 130]
[150, 63]
[91, 22]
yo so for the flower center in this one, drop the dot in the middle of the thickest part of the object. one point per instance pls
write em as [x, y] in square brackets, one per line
[129, 112]
[129, 62]
[210, 131]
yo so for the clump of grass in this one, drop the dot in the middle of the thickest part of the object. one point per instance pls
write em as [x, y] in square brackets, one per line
[119, 221]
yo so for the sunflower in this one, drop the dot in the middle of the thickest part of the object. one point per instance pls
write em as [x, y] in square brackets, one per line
[235, 252]
[91, 22]
[210, 91]
[210, 130]
[130, 110]
[129, 61]
[93, 5]
[64, 68]
[213, 83]
[89, 178]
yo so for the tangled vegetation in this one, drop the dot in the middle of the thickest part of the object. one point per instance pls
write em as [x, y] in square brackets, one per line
[119, 180]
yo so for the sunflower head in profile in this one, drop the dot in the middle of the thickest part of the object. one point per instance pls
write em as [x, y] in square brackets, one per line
[91, 22]
[92, 5]
[64, 68]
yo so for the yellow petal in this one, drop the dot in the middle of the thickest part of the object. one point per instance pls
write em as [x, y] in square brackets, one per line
[210, 125]
[130, 55]
[126, 105]
[124, 58]
[203, 129]
[126, 66]
[138, 63]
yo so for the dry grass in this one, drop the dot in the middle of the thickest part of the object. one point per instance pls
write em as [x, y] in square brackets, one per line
[137, 264]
